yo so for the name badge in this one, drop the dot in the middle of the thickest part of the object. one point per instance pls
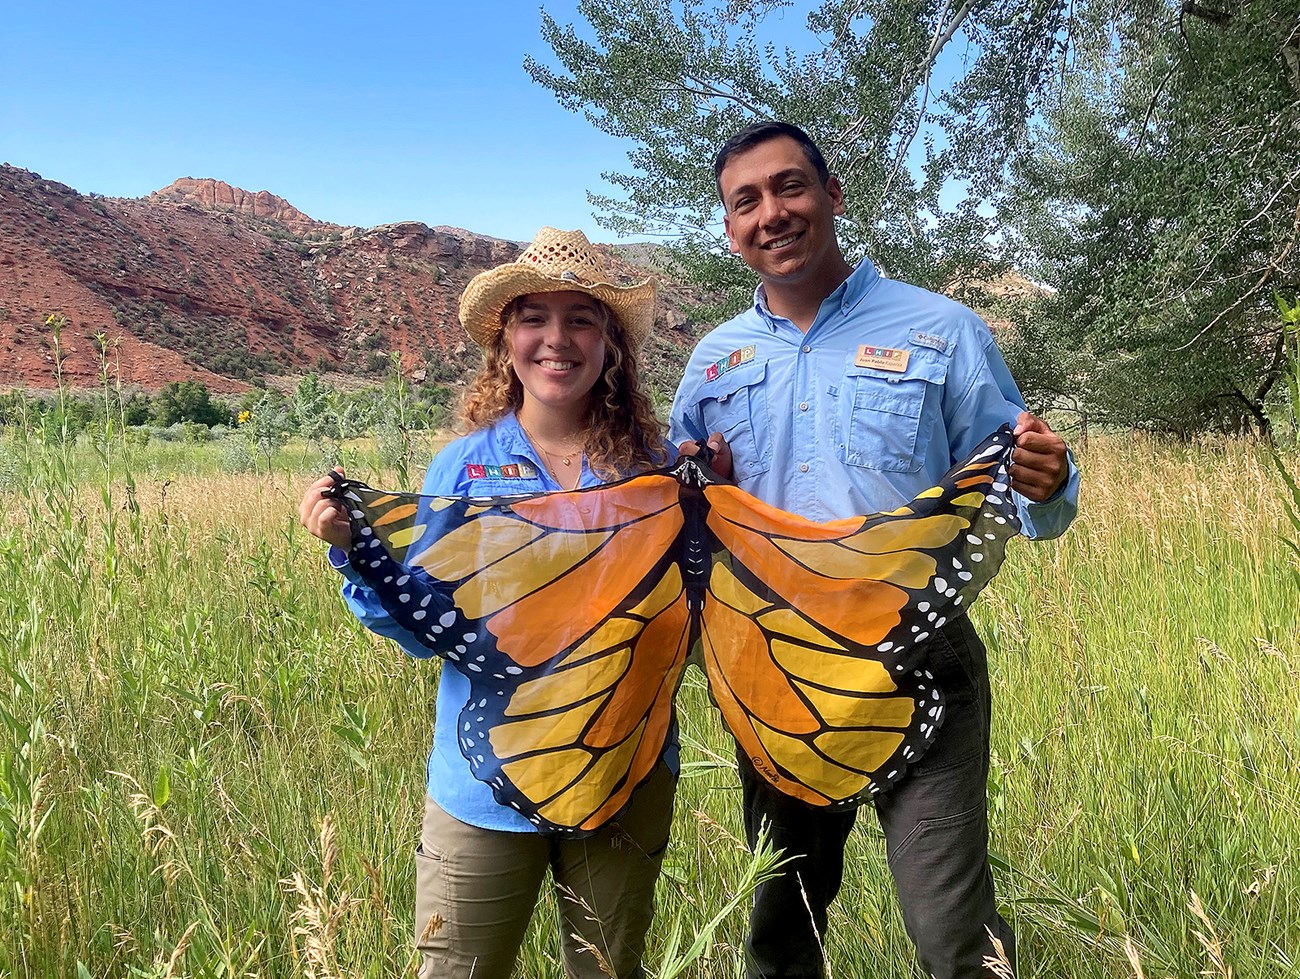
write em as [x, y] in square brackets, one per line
[881, 358]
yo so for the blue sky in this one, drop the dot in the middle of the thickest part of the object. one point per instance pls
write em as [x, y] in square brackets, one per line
[354, 113]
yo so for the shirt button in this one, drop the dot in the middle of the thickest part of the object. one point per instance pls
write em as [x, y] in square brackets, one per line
[803, 405]
[807, 349]
[803, 467]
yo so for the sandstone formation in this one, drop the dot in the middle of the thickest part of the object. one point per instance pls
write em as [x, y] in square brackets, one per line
[203, 280]
[217, 195]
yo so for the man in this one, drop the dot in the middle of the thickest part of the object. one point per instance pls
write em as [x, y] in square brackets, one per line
[839, 393]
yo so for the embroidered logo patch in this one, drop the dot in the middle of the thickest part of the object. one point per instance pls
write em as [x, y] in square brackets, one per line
[882, 358]
[730, 362]
[930, 340]
[520, 471]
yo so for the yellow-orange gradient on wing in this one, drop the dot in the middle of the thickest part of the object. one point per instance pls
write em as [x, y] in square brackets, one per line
[814, 718]
[577, 739]
[572, 615]
[549, 570]
[799, 558]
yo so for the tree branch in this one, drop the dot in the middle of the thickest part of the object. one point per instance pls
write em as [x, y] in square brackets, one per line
[1273, 266]
[1222, 247]
[1216, 17]
[707, 91]
[938, 41]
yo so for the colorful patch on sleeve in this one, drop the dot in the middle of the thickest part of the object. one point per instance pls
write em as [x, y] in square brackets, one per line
[730, 362]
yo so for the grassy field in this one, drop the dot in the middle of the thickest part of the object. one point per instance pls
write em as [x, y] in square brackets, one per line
[208, 769]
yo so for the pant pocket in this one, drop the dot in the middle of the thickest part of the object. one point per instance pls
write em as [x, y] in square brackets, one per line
[431, 894]
[942, 835]
[956, 663]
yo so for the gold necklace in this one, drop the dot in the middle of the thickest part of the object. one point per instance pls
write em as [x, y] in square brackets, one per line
[566, 458]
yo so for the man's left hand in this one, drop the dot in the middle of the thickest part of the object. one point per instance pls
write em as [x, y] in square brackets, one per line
[1039, 465]
[717, 444]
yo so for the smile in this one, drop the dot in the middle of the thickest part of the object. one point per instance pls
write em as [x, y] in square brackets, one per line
[782, 242]
[557, 365]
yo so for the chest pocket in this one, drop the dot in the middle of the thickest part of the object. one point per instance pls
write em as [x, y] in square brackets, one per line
[490, 486]
[736, 405]
[885, 418]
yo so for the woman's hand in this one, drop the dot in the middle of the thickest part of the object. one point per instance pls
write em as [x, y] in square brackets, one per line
[323, 517]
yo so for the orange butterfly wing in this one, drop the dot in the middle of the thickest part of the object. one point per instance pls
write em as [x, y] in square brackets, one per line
[813, 633]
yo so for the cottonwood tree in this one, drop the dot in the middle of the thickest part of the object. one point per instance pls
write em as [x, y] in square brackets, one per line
[1159, 195]
[1138, 158]
[678, 78]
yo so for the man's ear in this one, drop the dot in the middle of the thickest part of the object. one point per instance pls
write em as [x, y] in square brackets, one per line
[836, 193]
[735, 246]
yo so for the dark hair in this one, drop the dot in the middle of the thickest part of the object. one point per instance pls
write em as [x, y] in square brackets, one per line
[761, 132]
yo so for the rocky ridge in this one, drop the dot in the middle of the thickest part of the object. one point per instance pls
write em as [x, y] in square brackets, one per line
[217, 195]
[206, 281]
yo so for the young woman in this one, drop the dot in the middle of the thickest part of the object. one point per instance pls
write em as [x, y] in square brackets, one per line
[557, 405]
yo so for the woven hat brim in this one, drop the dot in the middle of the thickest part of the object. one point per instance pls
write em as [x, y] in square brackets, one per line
[488, 293]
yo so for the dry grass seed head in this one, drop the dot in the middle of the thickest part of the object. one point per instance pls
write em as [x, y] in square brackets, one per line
[431, 928]
[602, 963]
[1131, 952]
[317, 918]
[1209, 939]
[169, 972]
[998, 964]
[154, 833]
[717, 829]
[572, 896]
[376, 887]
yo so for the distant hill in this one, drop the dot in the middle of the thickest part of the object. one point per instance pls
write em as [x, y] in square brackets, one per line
[205, 281]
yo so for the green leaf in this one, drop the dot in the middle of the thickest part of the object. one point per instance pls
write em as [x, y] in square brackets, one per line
[162, 787]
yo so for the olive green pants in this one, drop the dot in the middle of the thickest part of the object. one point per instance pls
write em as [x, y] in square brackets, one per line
[476, 889]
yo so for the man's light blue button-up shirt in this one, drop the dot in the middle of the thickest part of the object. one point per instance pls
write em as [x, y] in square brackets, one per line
[890, 386]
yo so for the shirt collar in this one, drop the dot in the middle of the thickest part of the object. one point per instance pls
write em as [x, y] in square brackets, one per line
[512, 438]
[856, 287]
[760, 304]
[845, 297]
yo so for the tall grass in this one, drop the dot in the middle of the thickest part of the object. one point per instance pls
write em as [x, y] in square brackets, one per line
[208, 769]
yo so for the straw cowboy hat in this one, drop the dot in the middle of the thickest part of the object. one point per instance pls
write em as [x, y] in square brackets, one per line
[556, 261]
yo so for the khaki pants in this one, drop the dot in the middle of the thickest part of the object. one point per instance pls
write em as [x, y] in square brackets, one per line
[476, 889]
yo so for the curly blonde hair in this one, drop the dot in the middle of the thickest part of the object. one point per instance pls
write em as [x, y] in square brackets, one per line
[624, 436]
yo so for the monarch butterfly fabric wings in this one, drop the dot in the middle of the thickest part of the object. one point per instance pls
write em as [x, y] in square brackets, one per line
[813, 635]
[565, 611]
[572, 615]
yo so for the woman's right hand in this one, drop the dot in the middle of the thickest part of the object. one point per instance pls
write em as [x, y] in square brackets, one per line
[324, 517]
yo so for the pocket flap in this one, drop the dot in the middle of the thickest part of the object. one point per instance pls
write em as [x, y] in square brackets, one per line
[721, 388]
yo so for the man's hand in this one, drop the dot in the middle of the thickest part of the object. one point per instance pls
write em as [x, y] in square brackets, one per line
[721, 463]
[323, 517]
[1039, 465]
